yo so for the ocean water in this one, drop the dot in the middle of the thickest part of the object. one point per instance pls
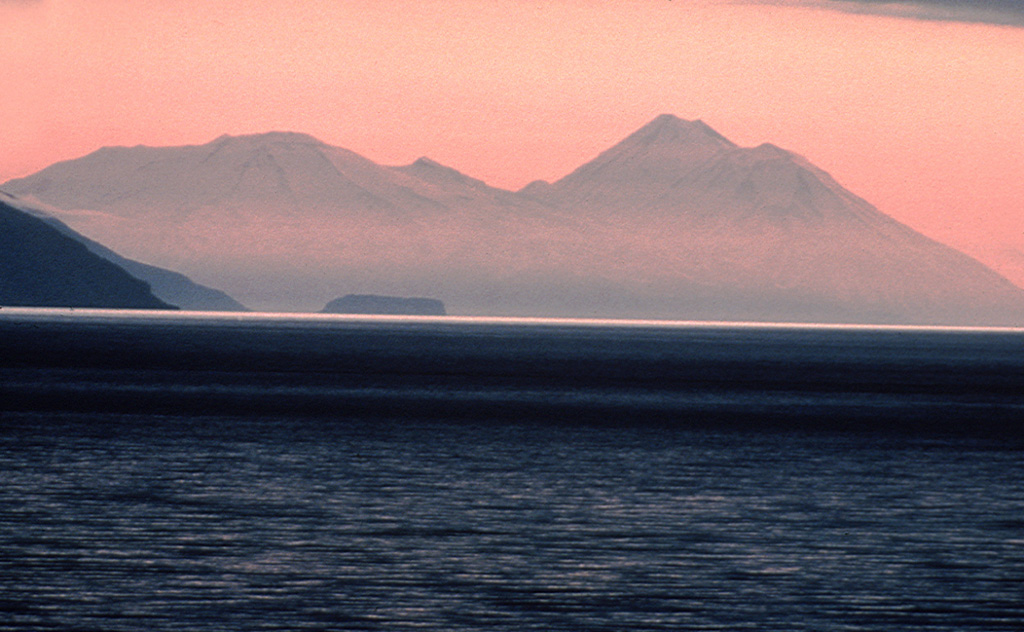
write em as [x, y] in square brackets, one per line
[186, 472]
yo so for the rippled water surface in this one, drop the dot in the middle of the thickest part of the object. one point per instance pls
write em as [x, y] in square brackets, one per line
[168, 519]
[229, 524]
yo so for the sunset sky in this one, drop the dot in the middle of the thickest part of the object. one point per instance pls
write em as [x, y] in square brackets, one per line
[914, 106]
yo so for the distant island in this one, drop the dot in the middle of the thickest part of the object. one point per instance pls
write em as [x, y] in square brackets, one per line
[389, 305]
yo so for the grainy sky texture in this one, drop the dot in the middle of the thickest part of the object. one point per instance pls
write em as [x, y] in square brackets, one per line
[915, 106]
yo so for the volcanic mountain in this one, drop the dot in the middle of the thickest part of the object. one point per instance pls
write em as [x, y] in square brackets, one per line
[40, 267]
[286, 222]
[675, 221]
[760, 233]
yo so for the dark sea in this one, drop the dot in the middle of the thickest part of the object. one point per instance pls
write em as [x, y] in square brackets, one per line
[163, 471]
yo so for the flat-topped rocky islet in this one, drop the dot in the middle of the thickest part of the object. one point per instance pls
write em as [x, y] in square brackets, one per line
[387, 305]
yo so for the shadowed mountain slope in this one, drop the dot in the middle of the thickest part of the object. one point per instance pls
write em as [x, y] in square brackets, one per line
[39, 267]
[169, 286]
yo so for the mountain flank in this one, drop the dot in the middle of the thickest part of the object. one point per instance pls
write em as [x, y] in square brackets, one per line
[169, 286]
[40, 267]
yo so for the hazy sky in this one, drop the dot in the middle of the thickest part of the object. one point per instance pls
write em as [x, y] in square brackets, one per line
[915, 106]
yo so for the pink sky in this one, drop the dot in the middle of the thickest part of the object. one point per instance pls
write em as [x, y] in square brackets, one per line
[922, 118]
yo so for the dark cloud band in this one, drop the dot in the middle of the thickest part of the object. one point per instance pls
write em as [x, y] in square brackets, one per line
[1003, 12]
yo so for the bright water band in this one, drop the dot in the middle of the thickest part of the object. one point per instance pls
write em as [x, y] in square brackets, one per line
[820, 377]
[119, 315]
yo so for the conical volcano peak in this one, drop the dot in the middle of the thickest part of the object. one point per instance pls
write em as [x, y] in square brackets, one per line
[668, 128]
[429, 170]
[423, 161]
[768, 150]
[663, 151]
[425, 166]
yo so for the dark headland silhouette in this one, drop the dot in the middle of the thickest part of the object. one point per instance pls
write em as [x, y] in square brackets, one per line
[675, 221]
[40, 267]
[169, 286]
[387, 305]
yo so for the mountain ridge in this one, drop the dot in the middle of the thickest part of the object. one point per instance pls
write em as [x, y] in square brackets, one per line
[675, 221]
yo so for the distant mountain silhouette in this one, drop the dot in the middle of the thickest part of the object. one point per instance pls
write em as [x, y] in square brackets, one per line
[760, 233]
[675, 221]
[280, 220]
[40, 267]
[389, 305]
[170, 287]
